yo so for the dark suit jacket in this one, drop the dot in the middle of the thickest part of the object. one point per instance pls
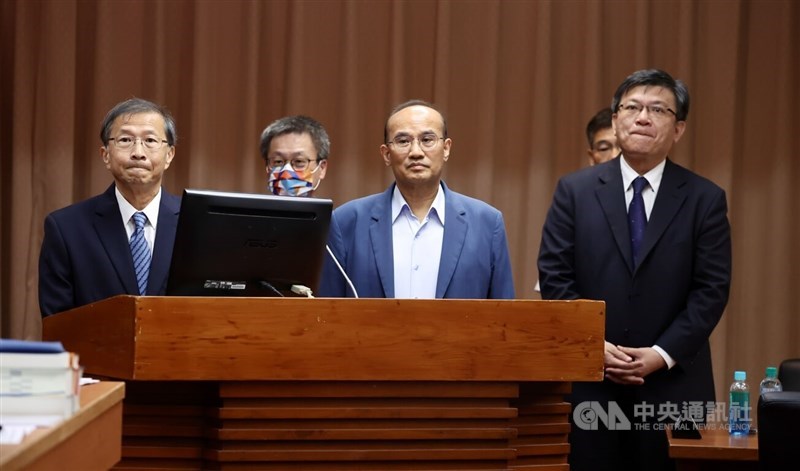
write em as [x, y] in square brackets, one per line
[677, 293]
[474, 262]
[86, 257]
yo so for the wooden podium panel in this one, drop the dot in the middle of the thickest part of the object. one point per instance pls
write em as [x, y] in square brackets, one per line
[292, 383]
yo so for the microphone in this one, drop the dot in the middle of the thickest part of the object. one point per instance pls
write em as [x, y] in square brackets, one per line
[353, 288]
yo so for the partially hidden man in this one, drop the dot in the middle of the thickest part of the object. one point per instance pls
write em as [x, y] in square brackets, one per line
[295, 150]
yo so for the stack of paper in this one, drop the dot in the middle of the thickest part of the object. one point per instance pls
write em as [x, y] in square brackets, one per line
[37, 379]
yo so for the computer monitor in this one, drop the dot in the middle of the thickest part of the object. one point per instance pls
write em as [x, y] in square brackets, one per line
[239, 244]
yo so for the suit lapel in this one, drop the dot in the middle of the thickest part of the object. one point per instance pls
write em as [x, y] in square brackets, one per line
[670, 197]
[380, 236]
[165, 239]
[455, 232]
[611, 196]
[111, 233]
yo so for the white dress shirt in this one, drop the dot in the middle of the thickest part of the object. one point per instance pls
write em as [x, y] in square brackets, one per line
[649, 192]
[649, 196]
[151, 211]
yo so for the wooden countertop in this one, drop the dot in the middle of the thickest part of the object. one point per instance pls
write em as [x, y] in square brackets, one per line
[97, 424]
[715, 444]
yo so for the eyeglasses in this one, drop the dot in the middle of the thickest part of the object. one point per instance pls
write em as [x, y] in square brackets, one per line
[298, 163]
[127, 142]
[656, 111]
[403, 142]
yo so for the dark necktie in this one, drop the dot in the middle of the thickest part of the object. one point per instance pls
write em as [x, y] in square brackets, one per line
[140, 252]
[637, 218]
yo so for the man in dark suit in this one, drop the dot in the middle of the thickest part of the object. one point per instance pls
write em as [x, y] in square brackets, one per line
[657, 250]
[119, 242]
[418, 239]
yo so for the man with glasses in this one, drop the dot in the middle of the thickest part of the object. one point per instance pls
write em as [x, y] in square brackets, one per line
[418, 239]
[652, 240]
[295, 150]
[602, 141]
[602, 144]
[119, 242]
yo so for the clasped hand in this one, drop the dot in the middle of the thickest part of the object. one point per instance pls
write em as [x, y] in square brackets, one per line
[626, 365]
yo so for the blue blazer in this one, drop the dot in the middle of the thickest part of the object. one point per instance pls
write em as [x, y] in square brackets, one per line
[676, 294]
[474, 262]
[85, 254]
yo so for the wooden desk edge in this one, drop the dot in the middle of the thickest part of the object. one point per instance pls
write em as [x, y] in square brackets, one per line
[95, 399]
[707, 449]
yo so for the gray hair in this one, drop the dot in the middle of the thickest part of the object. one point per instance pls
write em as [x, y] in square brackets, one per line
[657, 78]
[297, 125]
[138, 106]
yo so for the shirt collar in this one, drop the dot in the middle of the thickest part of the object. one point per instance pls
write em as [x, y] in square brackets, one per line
[437, 208]
[127, 210]
[653, 176]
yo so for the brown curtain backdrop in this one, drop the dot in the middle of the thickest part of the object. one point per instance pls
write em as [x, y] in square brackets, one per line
[517, 79]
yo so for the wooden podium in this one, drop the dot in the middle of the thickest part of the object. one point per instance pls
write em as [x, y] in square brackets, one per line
[355, 384]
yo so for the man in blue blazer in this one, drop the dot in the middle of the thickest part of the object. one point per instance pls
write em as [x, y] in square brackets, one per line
[95, 249]
[418, 239]
[652, 240]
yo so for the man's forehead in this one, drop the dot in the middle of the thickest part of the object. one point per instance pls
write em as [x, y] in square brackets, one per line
[150, 119]
[650, 93]
[292, 142]
[604, 134]
[417, 115]
[292, 139]
[293, 152]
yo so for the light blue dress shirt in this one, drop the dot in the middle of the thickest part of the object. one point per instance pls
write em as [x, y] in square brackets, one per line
[416, 247]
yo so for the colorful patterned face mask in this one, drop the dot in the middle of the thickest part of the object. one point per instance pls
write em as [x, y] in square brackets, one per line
[285, 181]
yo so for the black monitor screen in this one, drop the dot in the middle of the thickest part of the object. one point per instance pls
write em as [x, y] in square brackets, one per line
[239, 244]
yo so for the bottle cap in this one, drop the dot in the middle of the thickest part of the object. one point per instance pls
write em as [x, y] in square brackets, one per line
[739, 375]
[772, 372]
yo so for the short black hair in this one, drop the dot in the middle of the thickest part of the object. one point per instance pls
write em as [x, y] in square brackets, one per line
[138, 106]
[658, 78]
[409, 104]
[298, 124]
[600, 121]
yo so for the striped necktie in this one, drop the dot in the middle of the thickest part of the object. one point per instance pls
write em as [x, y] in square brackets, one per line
[140, 252]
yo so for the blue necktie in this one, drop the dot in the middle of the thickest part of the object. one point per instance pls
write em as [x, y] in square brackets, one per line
[140, 252]
[637, 218]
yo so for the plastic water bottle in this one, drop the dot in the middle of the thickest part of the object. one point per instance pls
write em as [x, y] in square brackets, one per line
[770, 382]
[739, 414]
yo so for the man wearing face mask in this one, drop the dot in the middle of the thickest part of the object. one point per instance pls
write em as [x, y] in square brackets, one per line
[295, 150]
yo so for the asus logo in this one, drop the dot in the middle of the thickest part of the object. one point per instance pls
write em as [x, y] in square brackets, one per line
[261, 243]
